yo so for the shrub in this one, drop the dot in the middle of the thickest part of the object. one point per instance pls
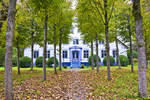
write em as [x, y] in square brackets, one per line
[112, 61]
[124, 61]
[39, 62]
[90, 62]
[25, 62]
[82, 66]
[50, 62]
[135, 55]
[65, 66]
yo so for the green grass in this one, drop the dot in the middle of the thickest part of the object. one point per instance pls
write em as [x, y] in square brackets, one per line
[114, 67]
[123, 86]
[88, 68]
[34, 68]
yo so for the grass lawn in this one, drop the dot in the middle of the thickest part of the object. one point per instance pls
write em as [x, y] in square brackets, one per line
[88, 68]
[29, 85]
[124, 84]
[34, 68]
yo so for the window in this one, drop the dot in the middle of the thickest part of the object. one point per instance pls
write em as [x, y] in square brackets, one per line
[75, 19]
[75, 41]
[65, 54]
[48, 43]
[48, 54]
[103, 53]
[36, 54]
[101, 42]
[86, 54]
[114, 53]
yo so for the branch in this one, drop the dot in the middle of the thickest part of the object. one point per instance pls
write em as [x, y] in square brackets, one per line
[122, 43]
[99, 13]
[100, 5]
[112, 9]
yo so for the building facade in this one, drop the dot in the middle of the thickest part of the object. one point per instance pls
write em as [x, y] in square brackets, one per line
[77, 52]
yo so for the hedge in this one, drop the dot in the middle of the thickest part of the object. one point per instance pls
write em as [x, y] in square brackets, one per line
[112, 61]
[124, 61]
[25, 62]
[39, 62]
[135, 55]
[50, 62]
[94, 60]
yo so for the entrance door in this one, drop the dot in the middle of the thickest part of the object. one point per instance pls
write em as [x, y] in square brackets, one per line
[75, 59]
[75, 55]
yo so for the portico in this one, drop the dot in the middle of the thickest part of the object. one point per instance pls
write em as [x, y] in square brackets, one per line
[75, 53]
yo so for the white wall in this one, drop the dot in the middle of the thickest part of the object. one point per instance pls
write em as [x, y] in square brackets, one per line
[76, 35]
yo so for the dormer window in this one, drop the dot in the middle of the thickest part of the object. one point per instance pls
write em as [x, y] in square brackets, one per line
[101, 42]
[48, 43]
[76, 41]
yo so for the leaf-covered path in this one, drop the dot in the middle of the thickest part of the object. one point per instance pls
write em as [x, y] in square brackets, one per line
[67, 85]
[77, 89]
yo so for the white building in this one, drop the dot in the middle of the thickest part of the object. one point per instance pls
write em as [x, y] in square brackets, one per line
[76, 52]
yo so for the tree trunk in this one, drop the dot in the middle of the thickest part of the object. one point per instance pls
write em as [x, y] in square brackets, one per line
[131, 50]
[142, 82]
[55, 71]
[60, 46]
[18, 58]
[97, 57]
[107, 39]
[45, 47]
[92, 56]
[8, 50]
[32, 51]
[117, 54]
